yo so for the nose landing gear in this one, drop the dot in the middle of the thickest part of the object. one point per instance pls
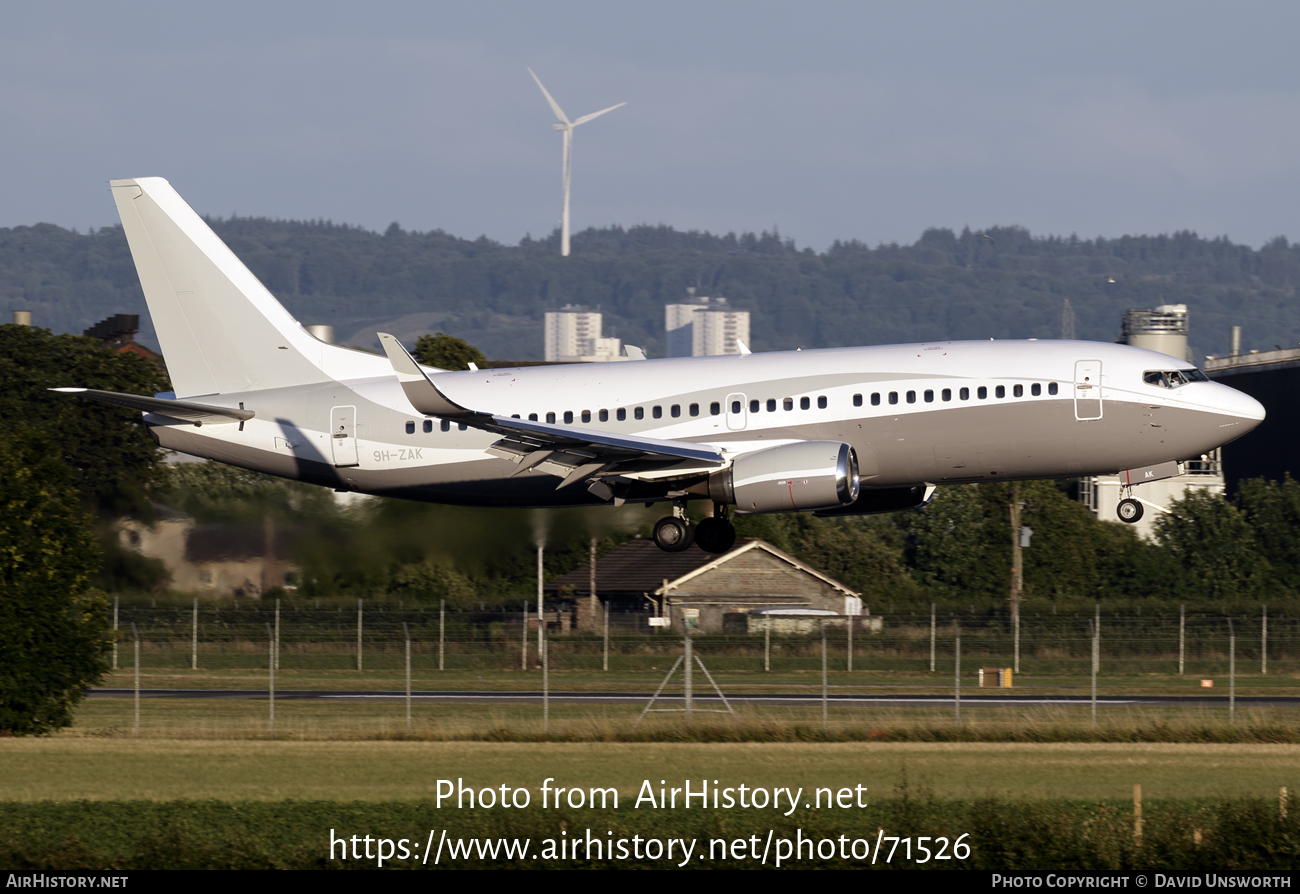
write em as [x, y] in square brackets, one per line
[1129, 510]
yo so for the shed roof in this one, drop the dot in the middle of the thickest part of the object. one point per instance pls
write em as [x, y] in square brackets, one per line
[639, 566]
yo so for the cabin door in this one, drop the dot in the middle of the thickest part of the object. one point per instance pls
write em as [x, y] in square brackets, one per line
[1087, 390]
[343, 435]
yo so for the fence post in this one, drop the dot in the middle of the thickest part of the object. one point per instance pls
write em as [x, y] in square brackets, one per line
[546, 676]
[1232, 673]
[271, 661]
[135, 634]
[821, 623]
[690, 661]
[1137, 814]
[115, 598]
[1182, 631]
[442, 631]
[767, 644]
[604, 660]
[850, 661]
[931, 637]
[956, 696]
[523, 653]
[358, 634]
[277, 633]
[1096, 657]
[1281, 802]
[407, 633]
[1263, 643]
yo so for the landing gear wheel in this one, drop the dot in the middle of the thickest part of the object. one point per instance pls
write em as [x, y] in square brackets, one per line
[1129, 511]
[672, 535]
[715, 535]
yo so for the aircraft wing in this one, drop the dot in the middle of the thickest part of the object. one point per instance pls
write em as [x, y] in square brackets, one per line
[585, 452]
[184, 410]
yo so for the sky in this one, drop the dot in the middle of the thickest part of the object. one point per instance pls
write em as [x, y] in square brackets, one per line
[825, 120]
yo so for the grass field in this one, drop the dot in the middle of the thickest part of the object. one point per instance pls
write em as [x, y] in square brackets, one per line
[61, 768]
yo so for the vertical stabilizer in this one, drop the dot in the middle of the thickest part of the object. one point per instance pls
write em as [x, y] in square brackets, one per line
[220, 330]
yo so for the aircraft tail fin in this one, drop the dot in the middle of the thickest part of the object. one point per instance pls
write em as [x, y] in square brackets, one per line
[220, 330]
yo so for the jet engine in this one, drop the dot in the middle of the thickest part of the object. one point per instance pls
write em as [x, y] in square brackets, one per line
[792, 477]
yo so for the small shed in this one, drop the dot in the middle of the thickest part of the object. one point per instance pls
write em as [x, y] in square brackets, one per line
[638, 577]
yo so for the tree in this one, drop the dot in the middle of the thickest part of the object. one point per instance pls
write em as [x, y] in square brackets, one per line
[1273, 510]
[1213, 544]
[447, 352]
[53, 633]
[110, 457]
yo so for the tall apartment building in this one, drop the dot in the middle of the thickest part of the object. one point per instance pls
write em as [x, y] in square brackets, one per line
[573, 336]
[704, 327]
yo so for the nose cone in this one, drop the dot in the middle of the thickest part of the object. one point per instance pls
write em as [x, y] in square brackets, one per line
[1241, 406]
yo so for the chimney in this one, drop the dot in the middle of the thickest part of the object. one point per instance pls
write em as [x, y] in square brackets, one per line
[1236, 341]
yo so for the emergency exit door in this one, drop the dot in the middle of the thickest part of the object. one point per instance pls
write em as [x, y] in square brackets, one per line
[1087, 390]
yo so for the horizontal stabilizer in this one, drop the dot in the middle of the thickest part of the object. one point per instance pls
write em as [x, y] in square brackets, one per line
[184, 410]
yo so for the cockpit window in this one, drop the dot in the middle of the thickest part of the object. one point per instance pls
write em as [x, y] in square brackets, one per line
[1173, 378]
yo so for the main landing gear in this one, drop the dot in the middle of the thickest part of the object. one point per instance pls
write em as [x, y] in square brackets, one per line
[674, 533]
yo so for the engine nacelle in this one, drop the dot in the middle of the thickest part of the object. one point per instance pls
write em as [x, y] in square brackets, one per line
[883, 499]
[789, 478]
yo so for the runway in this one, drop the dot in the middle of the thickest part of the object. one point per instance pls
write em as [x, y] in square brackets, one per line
[769, 698]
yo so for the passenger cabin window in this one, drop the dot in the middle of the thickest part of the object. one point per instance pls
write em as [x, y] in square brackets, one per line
[550, 417]
[771, 405]
[929, 396]
[715, 408]
[586, 415]
[604, 415]
[568, 417]
[657, 412]
[1018, 391]
[532, 417]
[428, 425]
[1001, 391]
[805, 403]
[947, 394]
[857, 400]
[911, 397]
[1051, 387]
[410, 427]
[621, 413]
[446, 426]
[1036, 389]
[639, 413]
[821, 402]
[788, 403]
[753, 407]
[735, 406]
[875, 398]
[462, 426]
[893, 397]
[964, 394]
[695, 409]
[982, 393]
[676, 410]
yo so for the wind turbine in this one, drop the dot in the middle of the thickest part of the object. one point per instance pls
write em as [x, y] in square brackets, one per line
[566, 127]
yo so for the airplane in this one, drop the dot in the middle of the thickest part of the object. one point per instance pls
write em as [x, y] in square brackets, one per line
[838, 431]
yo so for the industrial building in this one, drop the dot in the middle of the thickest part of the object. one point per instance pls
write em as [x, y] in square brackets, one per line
[704, 327]
[1272, 450]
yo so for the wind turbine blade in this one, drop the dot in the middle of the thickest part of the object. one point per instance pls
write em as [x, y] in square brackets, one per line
[585, 118]
[555, 106]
